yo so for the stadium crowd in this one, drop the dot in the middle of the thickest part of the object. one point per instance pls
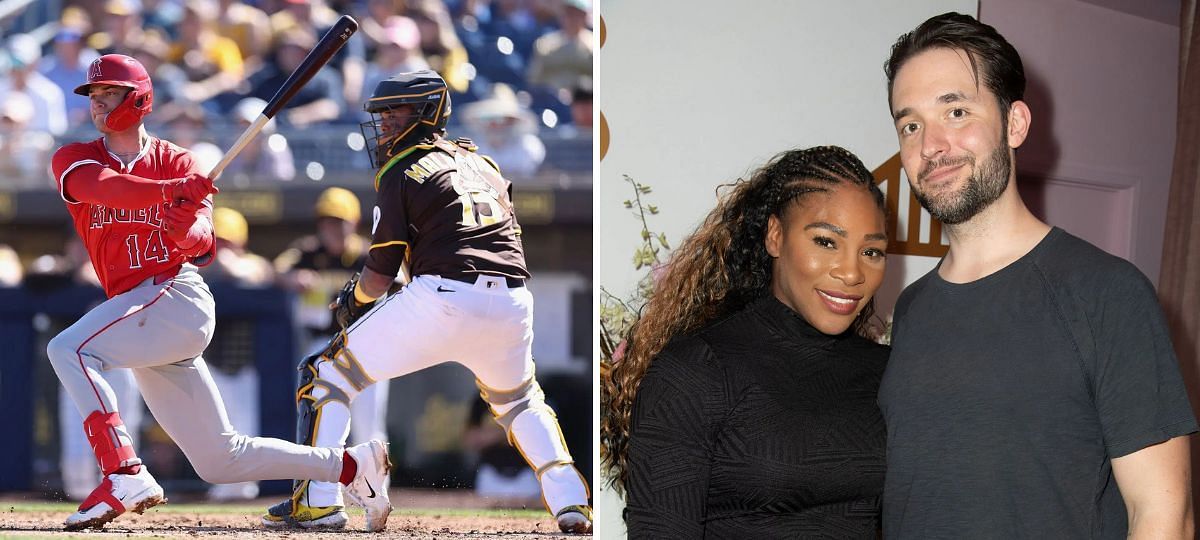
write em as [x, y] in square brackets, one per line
[519, 71]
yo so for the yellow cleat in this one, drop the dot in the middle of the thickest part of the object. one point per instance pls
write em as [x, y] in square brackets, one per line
[289, 514]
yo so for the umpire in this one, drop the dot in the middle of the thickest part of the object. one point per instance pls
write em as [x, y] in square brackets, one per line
[446, 213]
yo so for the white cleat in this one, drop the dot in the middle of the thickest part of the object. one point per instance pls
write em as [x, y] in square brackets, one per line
[370, 484]
[116, 494]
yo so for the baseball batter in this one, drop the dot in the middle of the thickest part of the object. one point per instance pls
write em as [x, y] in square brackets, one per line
[446, 212]
[143, 209]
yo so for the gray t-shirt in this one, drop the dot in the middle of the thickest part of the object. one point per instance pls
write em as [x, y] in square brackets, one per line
[1006, 398]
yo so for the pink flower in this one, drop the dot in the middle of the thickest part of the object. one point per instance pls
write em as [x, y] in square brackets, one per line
[620, 352]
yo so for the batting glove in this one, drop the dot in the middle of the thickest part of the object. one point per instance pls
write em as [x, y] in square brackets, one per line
[178, 220]
[194, 187]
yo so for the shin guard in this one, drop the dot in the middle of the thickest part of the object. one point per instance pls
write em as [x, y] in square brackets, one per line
[345, 381]
[110, 441]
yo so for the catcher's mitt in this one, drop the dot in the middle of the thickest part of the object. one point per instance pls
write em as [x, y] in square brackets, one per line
[346, 308]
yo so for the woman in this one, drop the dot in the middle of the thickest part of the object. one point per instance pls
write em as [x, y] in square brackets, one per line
[744, 403]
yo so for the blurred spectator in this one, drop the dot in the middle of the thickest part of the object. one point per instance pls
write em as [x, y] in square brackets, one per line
[122, 28]
[316, 267]
[267, 158]
[581, 105]
[230, 354]
[66, 68]
[318, 101]
[233, 262]
[506, 132]
[183, 122]
[440, 44]
[372, 22]
[212, 62]
[10, 267]
[561, 58]
[399, 52]
[501, 471]
[163, 16]
[516, 20]
[317, 18]
[169, 79]
[247, 26]
[49, 105]
[72, 268]
[23, 152]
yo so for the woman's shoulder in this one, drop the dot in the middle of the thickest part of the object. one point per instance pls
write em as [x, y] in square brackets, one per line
[875, 354]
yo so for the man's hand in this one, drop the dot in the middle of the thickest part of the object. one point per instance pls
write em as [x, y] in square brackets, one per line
[178, 220]
[193, 188]
[346, 308]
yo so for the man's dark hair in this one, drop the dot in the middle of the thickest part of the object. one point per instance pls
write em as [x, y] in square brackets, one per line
[1002, 71]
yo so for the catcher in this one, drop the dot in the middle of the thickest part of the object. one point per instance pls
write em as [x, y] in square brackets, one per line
[446, 212]
[143, 208]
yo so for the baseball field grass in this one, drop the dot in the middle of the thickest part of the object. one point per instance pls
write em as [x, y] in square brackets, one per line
[445, 514]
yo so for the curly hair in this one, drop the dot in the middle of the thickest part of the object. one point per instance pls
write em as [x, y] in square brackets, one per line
[718, 270]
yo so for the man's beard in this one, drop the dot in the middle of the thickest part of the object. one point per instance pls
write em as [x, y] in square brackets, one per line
[986, 183]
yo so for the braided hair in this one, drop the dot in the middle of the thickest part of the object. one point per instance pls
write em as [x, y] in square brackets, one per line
[722, 267]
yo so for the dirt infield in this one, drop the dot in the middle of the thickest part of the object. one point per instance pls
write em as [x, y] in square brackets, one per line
[444, 514]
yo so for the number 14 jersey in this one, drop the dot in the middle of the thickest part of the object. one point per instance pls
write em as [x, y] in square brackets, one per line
[126, 246]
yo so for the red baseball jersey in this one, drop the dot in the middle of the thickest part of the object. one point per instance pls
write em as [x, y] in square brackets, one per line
[126, 246]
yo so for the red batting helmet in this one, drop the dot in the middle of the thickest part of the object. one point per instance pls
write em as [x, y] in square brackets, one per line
[121, 70]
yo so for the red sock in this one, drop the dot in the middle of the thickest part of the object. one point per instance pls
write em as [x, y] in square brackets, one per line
[130, 469]
[349, 469]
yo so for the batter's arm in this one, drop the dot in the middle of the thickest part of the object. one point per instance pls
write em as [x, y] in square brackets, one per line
[189, 226]
[1156, 484]
[95, 184]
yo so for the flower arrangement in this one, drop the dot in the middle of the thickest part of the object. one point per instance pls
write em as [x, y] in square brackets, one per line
[617, 314]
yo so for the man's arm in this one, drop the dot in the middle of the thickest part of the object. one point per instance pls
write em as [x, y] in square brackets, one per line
[1156, 483]
[373, 283]
[95, 184]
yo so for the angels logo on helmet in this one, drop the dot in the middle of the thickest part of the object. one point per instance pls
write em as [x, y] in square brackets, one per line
[121, 70]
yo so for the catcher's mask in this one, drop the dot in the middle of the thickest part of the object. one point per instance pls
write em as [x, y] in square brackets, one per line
[121, 70]
[419, 105]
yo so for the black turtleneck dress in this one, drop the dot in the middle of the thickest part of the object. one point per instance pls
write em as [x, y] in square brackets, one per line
[758, 427]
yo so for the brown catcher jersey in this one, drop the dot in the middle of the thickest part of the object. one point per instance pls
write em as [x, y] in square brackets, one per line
[446, 211]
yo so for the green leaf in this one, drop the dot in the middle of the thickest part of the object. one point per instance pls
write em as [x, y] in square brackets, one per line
[653, 209]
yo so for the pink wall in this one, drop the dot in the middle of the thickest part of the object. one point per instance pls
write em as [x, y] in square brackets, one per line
[1102, 89]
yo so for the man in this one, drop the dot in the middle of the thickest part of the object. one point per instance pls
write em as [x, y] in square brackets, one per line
[446, 212]
[143, 209]
[315, 267]
[1032, 390]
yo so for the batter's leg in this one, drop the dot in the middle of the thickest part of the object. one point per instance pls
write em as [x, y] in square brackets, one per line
[239, 391]
[79, 471]
[185, 401]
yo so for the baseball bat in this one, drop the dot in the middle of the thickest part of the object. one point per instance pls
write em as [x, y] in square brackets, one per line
[330, 44]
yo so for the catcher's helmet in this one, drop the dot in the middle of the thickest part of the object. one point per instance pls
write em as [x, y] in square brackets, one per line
[426, 92]
[121, 70]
